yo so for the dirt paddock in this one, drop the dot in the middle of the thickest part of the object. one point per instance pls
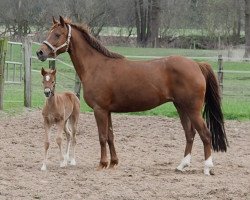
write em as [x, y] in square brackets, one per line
[149, 150]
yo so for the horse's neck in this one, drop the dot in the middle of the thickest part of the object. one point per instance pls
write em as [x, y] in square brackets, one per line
[51, 101]
[83, 56]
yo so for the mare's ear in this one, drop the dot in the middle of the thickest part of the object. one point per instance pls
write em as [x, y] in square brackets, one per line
[54, 20]
[62, 22]
[43, 72]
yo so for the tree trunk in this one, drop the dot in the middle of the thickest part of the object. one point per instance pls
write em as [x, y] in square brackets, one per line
[153, 28]
[147, 20]
[236, 23]
[247, 29]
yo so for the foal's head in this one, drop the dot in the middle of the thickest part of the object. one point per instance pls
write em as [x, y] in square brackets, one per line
[49, 81]
[57, 41]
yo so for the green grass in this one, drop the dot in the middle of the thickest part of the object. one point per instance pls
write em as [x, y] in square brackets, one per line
[234, 84]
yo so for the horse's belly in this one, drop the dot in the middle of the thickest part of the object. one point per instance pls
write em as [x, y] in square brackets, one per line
[137, 104]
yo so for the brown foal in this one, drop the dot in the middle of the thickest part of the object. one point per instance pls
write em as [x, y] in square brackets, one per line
[63, 110]
[112, 83]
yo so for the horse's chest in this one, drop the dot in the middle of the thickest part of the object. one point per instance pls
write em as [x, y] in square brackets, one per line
[53, 118]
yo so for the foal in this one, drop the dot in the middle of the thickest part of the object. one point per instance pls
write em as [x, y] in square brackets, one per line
[63, 110]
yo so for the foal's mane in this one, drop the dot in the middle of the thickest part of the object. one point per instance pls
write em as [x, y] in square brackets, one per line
[92, 41]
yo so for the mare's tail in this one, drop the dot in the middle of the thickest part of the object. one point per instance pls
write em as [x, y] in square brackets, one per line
[212, 109]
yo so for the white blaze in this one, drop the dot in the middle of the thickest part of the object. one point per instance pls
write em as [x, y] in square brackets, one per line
[47, 78]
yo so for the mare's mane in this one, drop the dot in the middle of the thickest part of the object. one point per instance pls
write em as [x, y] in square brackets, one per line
[92, 41]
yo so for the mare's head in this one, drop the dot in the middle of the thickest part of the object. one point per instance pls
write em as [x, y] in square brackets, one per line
[49, 81]
[57, 41]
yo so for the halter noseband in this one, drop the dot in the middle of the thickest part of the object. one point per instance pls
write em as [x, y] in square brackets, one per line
[66, 43]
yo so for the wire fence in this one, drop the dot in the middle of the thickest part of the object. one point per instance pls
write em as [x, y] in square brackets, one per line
[236, 76]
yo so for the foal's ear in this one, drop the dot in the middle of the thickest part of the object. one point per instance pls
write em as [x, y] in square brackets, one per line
[54, 20]
[43, 72]
[62, 22]
[53, 72]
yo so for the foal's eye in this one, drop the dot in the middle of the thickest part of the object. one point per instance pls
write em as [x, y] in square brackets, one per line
[53, 81]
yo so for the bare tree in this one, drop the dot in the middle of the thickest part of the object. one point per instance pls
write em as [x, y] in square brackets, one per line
[95, 13]
[247, 28]
[147, 16]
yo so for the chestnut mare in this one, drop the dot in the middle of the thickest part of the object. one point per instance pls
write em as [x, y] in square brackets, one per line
[112, 83]
[63, 110]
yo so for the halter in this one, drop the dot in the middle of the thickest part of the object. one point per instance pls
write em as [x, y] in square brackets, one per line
[66, 43]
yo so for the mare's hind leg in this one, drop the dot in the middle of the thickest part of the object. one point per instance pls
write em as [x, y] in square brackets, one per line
[189, 133]
[205, 136]
[113, 156]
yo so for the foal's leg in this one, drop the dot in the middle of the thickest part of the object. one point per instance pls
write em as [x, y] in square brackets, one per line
[68, 136]
[189, 133]
[47, 127]
[73, 126]
[60, 127]
[113, 156]
[205, 136]
[101, 117]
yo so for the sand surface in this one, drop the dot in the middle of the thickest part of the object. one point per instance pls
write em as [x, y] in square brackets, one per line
[149, 150]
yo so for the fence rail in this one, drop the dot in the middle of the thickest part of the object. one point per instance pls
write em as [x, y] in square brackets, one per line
[232, 82]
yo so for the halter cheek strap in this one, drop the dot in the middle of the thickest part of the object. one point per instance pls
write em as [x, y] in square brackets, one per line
[66, 43]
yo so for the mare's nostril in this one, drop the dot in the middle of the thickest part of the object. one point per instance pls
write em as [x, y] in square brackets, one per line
[39, 53]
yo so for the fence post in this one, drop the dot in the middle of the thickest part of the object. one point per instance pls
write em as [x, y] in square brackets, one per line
[27, 71]
[3, 50]
[220, 73]
[52, 64]
[77, 86]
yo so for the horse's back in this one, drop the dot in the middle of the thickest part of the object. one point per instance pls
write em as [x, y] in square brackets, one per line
[70, 104]
[70, 100]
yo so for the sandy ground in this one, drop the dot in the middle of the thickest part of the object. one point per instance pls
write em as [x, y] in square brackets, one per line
[149, 149]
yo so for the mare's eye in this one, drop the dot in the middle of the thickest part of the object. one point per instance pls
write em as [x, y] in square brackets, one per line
[57, 35]
[53, 81]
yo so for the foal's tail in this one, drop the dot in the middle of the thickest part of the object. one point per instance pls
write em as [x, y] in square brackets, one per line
[212, 109]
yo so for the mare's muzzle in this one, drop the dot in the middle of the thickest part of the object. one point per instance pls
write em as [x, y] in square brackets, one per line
[41, 55]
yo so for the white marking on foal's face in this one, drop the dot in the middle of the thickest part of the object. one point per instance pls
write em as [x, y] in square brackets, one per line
[47, 77]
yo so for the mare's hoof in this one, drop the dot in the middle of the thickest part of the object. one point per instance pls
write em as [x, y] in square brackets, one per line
[102, 165]
[212, 172]
[113, 164]
[209, 172]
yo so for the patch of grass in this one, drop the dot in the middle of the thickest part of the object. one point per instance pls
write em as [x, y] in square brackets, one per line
[234, 84]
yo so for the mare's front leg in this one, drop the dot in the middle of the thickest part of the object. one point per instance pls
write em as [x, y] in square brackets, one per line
[47, 127]
[60, 128]
[113, 156]
[101, 117]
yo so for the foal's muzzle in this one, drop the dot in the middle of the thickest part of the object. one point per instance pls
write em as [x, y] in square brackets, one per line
[47, 92]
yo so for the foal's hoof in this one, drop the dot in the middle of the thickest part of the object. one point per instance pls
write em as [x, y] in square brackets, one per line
[179, 170]
[44, 167]
[72, 162]
[63, 163]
